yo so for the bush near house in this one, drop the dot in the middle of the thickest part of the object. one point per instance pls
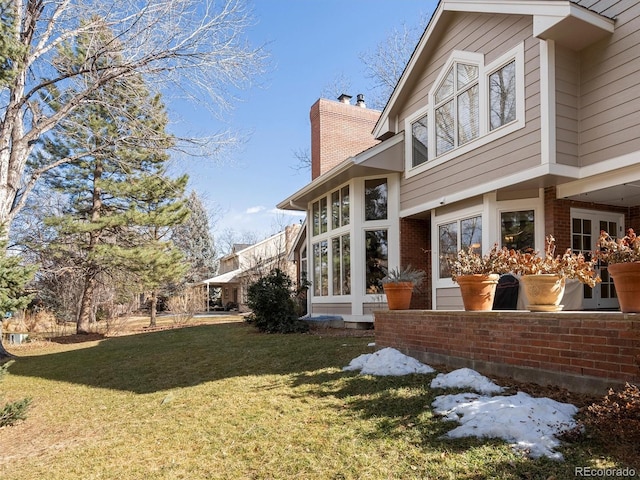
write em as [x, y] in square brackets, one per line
[271, 299]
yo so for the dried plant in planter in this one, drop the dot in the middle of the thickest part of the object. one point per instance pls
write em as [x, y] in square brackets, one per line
[469, 262]
[624, 250]
[568, 265]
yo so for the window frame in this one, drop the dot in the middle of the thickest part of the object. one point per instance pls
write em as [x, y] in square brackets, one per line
[486, 135]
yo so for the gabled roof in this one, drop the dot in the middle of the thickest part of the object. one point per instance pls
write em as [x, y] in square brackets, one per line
[564, 21]
[382, 158]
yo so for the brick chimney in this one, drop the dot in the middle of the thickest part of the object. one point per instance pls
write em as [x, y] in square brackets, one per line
[339, 130]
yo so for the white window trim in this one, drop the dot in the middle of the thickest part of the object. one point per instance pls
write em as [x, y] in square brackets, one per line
[437, 220]
[485, 136]
[536, 204]
[356, 229]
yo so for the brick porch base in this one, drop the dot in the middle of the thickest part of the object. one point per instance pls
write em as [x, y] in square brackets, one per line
[586, 352]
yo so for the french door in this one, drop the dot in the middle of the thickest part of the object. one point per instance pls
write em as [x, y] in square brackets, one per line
[585, 231]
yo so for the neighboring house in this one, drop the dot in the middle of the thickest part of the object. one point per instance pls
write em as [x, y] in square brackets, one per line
[246, 263]
[512, 120]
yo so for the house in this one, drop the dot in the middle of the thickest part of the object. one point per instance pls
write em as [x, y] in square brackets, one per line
[247, 262]
[512, 120]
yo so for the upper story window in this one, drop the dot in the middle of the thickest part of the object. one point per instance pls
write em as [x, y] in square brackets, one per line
[457, 107]
[419, 133]
[502, 96]
[469, 105]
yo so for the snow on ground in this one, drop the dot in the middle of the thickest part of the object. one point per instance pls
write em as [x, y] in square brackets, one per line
[466, 378]
[387, 361]
[529, 424]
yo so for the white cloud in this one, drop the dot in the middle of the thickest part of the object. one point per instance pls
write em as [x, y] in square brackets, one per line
[252, 210]
[292, 213]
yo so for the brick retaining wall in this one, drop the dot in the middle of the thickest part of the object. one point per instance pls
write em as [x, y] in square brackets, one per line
[581, 351]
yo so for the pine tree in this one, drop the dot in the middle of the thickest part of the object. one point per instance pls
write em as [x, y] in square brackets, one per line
[11, 50]
[13, 278]
[119, 163]
[155, 207]
[193, 238]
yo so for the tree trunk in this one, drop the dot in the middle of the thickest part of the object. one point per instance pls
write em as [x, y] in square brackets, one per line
[84, 315]
[153, 309]
[4, 355]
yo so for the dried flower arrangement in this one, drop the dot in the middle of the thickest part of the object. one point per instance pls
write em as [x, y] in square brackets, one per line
[568, 265]
[503, 260]
[624, 250]
[469, 262]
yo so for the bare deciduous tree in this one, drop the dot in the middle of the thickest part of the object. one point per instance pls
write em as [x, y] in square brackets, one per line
[385, 63]
[191, 49]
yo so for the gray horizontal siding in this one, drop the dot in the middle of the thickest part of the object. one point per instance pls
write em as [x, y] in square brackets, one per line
[491, 35]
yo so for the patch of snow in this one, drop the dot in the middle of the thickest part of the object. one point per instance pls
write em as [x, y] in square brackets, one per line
[529, 424]
[387, 361]
[466, 378]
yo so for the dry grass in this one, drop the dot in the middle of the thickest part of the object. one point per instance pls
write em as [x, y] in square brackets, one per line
[220, 401]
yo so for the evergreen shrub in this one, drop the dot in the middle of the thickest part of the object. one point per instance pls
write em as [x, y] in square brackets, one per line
[271, 299]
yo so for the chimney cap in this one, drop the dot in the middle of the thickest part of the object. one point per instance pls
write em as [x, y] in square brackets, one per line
[360, 101]
[344, 98]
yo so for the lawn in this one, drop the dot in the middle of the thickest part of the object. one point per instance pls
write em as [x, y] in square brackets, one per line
[221, 401]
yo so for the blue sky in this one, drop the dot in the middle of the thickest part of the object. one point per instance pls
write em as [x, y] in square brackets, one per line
[311, 44]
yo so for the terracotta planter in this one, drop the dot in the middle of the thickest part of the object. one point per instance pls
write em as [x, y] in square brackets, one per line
[478, 291]
[398, 295]
[544, 292]
[626, 278]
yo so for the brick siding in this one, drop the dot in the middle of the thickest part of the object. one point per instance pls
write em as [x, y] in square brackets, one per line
[415, 250]
[582, 351]
[339, 131]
